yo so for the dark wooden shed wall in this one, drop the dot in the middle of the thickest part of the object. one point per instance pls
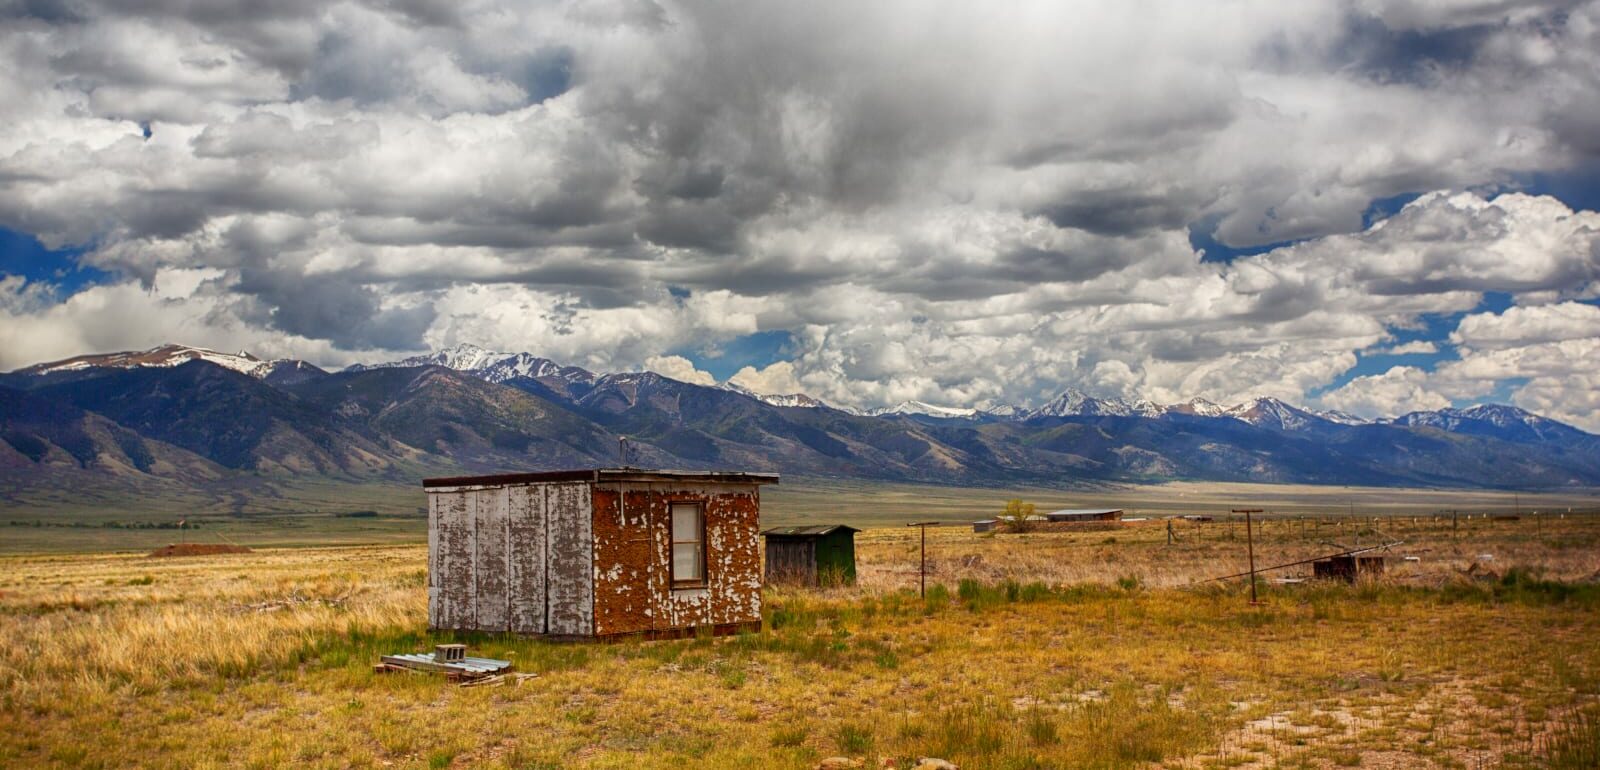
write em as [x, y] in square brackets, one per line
[804, 559]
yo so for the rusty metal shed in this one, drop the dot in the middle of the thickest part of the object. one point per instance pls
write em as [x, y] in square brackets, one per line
[812, 555]
[595, 553]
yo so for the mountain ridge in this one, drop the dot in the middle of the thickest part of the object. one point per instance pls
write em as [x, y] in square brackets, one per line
[518, 369]
[216, 425]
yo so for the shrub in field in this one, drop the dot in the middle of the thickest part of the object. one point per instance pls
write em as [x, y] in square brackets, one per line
[1017, 515]
[854, 738]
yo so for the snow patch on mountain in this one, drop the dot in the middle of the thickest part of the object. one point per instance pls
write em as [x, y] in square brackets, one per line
[485, 364]
[1073, 402]
[800, 400]
[1268, 412]
[160, 356]
[462, 358]
[926, 409]
[1343, 418]
[1198, 407]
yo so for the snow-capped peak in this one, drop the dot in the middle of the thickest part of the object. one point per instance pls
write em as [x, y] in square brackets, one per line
[1198, 407]
[528, 365]
[1002, 411]
[1502, 415]
[786, 399]
[1272, 413]
[159, 356]
[465, 357]
[1502, 420]
[919, 407]
[1073, 402]
[1343, 418]
[486, 364]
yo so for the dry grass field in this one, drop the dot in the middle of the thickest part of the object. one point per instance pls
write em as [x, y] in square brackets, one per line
[1046, 650]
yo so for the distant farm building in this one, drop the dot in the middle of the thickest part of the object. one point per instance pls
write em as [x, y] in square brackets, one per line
[595, 553]
[1079, 515]
[986, 525]
[818, 555]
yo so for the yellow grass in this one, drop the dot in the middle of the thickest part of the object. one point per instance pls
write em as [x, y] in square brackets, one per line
[1078, 649]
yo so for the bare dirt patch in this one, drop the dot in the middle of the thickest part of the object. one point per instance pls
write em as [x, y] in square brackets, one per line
[196, 549]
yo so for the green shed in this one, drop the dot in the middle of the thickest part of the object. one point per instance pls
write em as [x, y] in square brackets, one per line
[811, 555]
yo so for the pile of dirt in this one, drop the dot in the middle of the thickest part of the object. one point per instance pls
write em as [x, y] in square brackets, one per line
[197, 549]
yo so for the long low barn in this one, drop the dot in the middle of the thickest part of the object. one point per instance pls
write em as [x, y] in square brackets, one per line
[595, 553]
[1085, 514]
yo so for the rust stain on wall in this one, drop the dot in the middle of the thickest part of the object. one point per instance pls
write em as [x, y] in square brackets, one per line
[579, 559]
[633, 590]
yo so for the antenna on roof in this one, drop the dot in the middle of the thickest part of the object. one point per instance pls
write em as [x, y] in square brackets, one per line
[622, 450]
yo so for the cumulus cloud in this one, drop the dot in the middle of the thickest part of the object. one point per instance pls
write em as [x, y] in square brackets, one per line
[1400, 390]
[1522, 326]
[776, 379]
[679, 368]
[936, 202]
[1414, 347]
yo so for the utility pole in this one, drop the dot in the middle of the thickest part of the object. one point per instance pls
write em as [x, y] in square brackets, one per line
[1250, 545]
[922, 569]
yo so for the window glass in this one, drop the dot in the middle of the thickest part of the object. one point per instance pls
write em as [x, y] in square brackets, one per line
[686, 561]
[685, 522]
[688, 547]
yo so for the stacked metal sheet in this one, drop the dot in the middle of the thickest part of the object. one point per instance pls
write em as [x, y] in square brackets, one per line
[456, 670]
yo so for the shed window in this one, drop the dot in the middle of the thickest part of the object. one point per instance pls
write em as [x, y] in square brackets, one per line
[688, 544]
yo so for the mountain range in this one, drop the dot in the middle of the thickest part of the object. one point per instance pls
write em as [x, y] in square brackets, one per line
[177, 417]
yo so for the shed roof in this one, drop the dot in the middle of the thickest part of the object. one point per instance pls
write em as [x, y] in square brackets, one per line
[1083, 511]
[813, 531]
[605, 474]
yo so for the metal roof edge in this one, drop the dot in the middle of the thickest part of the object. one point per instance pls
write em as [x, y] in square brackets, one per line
[814, 530]
[603, 474]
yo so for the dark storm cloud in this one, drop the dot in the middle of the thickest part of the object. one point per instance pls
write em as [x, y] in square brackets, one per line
[976, 189]
[331, 307]
[1125, 212]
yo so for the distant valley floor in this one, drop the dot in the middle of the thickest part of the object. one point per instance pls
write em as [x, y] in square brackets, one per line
[323, 512]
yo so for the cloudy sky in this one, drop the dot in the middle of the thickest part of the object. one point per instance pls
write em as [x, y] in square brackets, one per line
[1369, 205]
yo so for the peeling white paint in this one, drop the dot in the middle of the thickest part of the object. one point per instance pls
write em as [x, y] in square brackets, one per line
[531, 557]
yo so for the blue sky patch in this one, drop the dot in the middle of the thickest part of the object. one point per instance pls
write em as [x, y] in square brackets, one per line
[1202, 237]
[22, 254]
[759, 350]
[1578, 187]
[1432, 327]
[1383, 208]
